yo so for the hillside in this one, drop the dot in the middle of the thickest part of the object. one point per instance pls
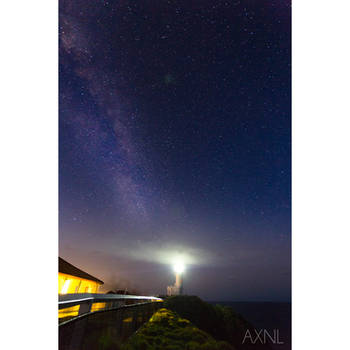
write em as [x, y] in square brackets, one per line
[221, 322]
[167, 331]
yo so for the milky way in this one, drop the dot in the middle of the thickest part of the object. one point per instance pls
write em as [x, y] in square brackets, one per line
[175, 140]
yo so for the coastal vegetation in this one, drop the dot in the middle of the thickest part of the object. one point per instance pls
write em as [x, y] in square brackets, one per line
[166, 330]
[221, 322]
[188, 323]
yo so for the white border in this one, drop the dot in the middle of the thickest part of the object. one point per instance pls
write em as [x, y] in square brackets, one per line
[29, 166]
[320, 173]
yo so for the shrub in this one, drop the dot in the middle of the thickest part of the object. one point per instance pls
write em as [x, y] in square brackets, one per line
[167, 331]
[200, 313]
[221, 322]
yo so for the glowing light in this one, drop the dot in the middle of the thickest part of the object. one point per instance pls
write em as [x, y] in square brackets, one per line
[179, 267]
[75, 284]
[65, 287]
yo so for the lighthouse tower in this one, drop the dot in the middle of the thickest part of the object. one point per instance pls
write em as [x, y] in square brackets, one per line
[177, 288]
[178, 282]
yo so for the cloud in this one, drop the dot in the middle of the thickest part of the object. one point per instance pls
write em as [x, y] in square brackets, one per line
[168, 253]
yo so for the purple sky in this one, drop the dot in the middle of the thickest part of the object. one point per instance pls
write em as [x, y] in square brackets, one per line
[175, 141]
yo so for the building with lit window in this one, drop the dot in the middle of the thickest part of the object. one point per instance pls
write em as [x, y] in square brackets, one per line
[73, 280]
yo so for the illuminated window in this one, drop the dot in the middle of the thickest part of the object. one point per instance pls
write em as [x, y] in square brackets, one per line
[77, 287]
[65, 287]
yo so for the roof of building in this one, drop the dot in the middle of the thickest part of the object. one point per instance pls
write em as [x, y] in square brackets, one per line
[69, 269]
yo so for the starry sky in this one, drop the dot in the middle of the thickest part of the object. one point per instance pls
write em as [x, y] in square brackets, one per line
[175, 143]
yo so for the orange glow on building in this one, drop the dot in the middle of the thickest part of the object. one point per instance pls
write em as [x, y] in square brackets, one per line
[72, 280]
[68, 284]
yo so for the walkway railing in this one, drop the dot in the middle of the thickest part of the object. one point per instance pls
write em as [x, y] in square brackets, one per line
[92, 321]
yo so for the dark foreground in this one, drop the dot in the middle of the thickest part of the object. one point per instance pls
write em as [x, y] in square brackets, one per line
[266, 315]
[178, 323]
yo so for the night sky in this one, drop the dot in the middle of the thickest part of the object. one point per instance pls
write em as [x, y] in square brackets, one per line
[175, 140]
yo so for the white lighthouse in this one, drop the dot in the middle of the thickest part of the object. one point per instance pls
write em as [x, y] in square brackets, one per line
[177, 288]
